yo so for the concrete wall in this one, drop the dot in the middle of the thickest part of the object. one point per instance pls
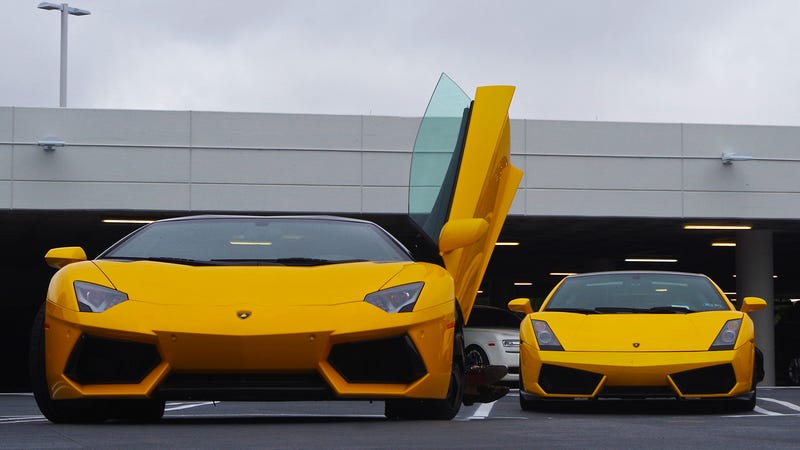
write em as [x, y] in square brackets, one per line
[201, 161]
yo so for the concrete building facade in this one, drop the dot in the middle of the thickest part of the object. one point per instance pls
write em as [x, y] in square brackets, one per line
[615, 180]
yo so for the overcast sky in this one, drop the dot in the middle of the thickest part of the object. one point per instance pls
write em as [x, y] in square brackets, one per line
[677, 61]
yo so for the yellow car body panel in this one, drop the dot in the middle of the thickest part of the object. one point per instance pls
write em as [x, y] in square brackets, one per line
[195, 331]
[487, 183]
[264, 322]
[636, 354]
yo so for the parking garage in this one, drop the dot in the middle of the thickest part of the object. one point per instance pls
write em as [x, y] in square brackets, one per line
[596, 196]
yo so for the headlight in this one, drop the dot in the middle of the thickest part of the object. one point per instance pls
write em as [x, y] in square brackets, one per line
[396, 299]
[727, 336]
[96, 298]
[545, 337]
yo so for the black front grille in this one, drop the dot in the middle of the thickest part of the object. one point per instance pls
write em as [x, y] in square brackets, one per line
[393, 360]
[565, 380]
[708, 380]
[96, 360]
[244, 386]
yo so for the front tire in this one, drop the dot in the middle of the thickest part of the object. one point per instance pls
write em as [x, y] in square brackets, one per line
[525, 404]
[436, 409]
[56, 411]
[793, 370]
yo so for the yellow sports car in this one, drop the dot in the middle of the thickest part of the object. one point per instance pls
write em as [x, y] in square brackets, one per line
[638, 335]
[286, 308]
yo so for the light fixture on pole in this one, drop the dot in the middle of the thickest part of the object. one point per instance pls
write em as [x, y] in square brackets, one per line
[65, 11]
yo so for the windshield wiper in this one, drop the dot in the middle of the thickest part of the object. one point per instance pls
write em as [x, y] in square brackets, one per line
[619, 310]
[670, 310]
[287, 261]
[574, 310]
[166, 259]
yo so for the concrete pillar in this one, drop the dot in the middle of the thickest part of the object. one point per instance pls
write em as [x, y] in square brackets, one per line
[754, 271]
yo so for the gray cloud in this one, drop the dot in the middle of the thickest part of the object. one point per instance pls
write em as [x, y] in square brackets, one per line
[620, 60]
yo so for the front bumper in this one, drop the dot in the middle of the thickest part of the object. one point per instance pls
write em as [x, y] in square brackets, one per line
[138, 350]
[708, 374]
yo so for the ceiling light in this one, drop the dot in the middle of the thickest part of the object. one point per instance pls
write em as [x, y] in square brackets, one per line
[132, 221]
[506, 244]
[717, 227]
[651, 260]
[729, 293]
[523, 283]
[563, 274]
[723, 244]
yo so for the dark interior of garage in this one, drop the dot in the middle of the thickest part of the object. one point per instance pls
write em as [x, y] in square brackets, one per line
[546, 246]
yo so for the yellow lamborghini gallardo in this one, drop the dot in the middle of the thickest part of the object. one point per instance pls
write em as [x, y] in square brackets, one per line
[638, 335]
[286, 308]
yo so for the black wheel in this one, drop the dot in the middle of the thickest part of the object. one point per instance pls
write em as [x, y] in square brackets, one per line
[525, 403]
[743, 404]
[57, 411]
[793, 370]
[137, 410]
[475, 356]
[436, 409]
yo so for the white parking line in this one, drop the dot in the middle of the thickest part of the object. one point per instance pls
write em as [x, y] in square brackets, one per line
[766, 412]
[180, 406]
[789, 405]
[482, 412]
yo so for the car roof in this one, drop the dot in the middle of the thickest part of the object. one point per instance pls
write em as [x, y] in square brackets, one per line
[252, 216]
[636, 272]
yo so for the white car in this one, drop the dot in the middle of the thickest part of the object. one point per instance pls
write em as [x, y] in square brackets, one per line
[491, 337]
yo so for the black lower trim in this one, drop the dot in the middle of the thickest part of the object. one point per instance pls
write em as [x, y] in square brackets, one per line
[244, 386]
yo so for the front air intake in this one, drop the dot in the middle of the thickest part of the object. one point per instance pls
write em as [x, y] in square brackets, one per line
[394, 360]
[708, 380]
[97, 360]
[565, 380]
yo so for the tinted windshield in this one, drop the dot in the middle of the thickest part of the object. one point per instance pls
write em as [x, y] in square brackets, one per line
[636, 292]
[436, 157]
[259, 240]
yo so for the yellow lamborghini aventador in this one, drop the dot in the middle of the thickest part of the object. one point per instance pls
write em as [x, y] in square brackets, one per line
[638, 335]
[286, 308]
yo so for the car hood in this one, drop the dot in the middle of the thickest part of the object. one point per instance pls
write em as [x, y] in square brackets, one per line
[174, 284]
[636, 332]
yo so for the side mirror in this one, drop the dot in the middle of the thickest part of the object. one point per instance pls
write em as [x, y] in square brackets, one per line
[461, 233]
[750, 304]
[522, 305]
[61, 256]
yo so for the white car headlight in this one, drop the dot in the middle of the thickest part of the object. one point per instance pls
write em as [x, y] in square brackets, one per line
[727, 336]
[396, 299]
[545, 337]
[95, 298]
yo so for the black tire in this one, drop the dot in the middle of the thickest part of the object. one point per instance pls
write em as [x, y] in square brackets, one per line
[56, 411]
[136, 410]
[475, 356]
[793, 370]
[436, 409]
[743, 404]
[525, 404]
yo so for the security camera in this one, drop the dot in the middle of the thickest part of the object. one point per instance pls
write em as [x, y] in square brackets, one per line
[50, 143]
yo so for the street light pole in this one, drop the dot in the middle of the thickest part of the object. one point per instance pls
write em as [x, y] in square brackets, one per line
[66, 10]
